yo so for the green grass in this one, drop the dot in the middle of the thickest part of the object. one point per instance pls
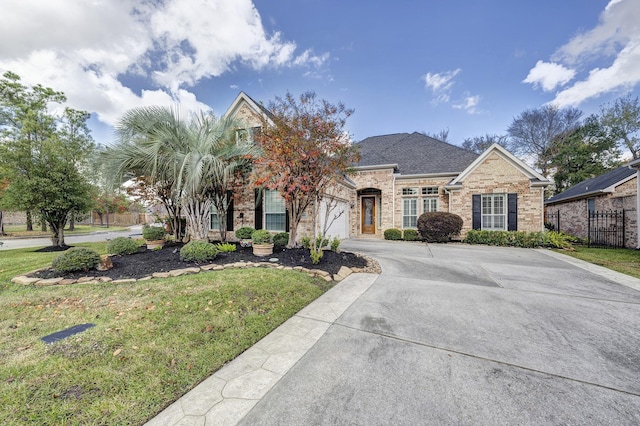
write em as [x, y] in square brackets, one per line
[625, 261]
[20, 230]
[153, 340]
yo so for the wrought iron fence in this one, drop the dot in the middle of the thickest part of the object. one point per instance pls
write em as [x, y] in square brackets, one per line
[606, 228]
[552, 222]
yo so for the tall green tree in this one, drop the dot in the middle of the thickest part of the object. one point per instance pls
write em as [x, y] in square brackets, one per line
[533, 131]
[195, 159]
[583, 153]
[43, 153]
[622, 122]
[305, 150]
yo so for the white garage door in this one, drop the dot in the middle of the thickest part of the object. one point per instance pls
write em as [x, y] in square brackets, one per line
[340, 217]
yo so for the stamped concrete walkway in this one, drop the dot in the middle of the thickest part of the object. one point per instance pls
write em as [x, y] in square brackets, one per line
[228, 395]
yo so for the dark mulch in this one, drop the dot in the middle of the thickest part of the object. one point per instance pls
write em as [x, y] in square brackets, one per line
[146, 262]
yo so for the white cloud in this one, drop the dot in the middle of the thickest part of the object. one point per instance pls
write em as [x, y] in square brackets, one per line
[89, 49]
[469, 104]
[605, 58]
[549, 75]
[440, 83]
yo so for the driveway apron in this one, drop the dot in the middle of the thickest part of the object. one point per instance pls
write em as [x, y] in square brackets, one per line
[457, 334]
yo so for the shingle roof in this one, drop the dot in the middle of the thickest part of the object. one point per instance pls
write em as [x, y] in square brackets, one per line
[414, 153]
[593, 186]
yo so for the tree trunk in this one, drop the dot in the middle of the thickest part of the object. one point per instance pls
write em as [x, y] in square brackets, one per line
[29, 221]
[197, 213]
[72, 223]
[100, 217]
[2, 223]
[43, 225]
[57, 232]
[294, 219]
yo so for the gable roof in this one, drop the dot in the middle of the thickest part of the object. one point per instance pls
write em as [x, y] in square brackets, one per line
[244, 98]
[414, 153]
[536, 178]
[602, 184]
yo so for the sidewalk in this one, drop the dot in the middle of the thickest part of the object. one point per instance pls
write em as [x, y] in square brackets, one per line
[231, 392]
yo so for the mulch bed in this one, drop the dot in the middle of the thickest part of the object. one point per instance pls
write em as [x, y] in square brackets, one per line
[145, 262]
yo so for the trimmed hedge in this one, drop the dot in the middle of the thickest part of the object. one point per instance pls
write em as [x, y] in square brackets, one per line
[261, 236]
[410, 235]
[244, 233]
[392, 234]
[519, 239]
[122, 245]
[198, 251]
[439, 227]
[76, 259]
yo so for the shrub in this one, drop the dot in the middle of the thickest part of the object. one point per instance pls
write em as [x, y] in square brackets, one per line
[335, 244]
[410, 235]
[519, 239]
[244, 233]
[226, 247]
[321, 242]
[439, 227]
[198, 251]
[76, 259]
[261, 236]
[392, 234]
[122, 245]
[281, 240]
[316, 255]
[153, 233]
[306, 242]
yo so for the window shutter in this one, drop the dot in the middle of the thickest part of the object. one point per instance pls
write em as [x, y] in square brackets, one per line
[258, 209]
[286, 218]
[476, 209]
[512, 210]
[230, 211]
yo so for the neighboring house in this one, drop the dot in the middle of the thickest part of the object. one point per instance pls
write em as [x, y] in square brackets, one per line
[614, 191]
[399, 177]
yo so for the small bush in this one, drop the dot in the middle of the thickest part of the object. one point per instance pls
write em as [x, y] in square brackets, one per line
[306, 242]
[321, 242]
[226, 247]
[439, 227]
[261, 236]
[153, 233]
[281, 240]
[122, 245]
[392, 234]
[335, 244]
[244, 233]
[198, 251]
[410, 235]
[76, 259]
[316, 255]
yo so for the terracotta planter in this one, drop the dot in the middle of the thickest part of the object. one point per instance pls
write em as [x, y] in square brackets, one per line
[263, 249]
[155, 244]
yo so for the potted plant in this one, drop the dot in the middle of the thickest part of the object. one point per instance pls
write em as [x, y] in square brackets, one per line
[154, 236]
[262, 242]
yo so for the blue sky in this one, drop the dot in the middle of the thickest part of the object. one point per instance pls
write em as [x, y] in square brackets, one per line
[462, 65]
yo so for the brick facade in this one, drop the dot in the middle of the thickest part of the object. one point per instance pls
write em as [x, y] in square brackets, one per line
[574, 217]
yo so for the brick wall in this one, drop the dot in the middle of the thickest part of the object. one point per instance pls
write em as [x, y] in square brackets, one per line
[381, 179]
[496, 175]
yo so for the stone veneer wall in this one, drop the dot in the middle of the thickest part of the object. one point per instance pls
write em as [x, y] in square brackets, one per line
[574, 218]
[498, 176]
[381, 179]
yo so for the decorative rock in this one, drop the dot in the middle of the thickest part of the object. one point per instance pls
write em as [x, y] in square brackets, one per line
[208, 267]
[298, 268]
[327, 278]
[49, 281]
[240, 265]
[185, 271]
[160, 275]
[274, 260]
[21, 279]
[319, 272]
[344, 272]
[104, 279]
[288, 268]
[124, 280]
[147, 278]
[105, 263]
[85, 279]
[218, 268]
[67, 281]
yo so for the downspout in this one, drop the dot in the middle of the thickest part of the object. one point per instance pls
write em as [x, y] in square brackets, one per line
[637, 207]
[448, 193]
[393, 202]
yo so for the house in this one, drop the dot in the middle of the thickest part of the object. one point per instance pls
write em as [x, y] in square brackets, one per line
[614, 191]
[399, 177]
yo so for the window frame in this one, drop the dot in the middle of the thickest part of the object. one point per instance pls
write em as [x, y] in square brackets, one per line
[266, 224]
[412, 191]
[426, 200]
[493, 212]
[412, 216]
[430, 190]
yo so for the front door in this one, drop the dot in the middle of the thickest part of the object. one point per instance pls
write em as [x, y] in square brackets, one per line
[368, 215]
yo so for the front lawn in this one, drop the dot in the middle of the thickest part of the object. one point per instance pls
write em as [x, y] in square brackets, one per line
[152, 341]
[625, 261]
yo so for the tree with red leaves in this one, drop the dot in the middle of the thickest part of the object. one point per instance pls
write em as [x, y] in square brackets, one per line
[305, 150]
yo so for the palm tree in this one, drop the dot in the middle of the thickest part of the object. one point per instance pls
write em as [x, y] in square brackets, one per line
[195, 161]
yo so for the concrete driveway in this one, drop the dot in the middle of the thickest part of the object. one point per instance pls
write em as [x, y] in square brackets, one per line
[456, 334]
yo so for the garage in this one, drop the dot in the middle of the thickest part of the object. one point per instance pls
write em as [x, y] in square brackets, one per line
[338, 218]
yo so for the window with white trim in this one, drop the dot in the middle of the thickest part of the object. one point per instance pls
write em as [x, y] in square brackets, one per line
[409, 191]
[494, 211]
[215, 219]
[275, 213]
[409, 212]
[430, 190]
[429, 204]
